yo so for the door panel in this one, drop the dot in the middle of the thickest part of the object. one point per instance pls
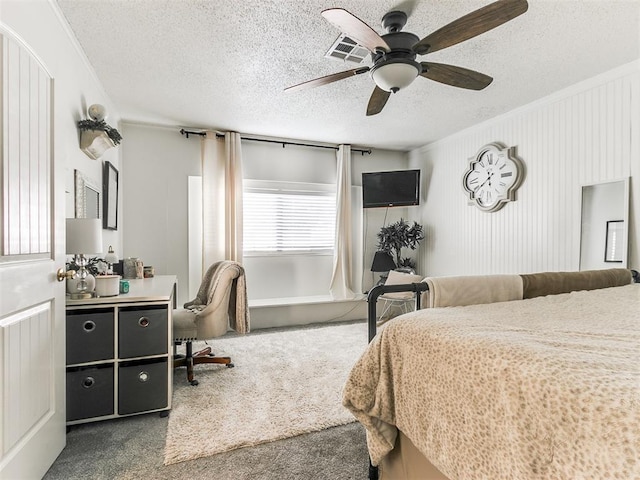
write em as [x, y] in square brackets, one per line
[29, 376]
[26, 148]
[32, 398]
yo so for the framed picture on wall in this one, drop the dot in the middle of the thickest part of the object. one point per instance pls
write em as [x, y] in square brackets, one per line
[110, 197]
[87, 196]
[613, 243]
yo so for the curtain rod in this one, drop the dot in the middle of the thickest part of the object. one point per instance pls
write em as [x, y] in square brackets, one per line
[281, 142]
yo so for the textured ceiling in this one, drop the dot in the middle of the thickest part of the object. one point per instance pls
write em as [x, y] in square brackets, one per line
[224, 64]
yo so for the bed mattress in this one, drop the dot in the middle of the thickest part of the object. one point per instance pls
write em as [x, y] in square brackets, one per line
[543, 388]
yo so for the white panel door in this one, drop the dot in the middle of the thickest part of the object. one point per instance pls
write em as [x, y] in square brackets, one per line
[32, 396]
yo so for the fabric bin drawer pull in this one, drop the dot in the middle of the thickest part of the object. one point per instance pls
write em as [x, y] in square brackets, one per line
[143, 322]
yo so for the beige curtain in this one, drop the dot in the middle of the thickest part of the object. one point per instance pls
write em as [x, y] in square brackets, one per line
[341, 287]
[233, 205]
[221, 198]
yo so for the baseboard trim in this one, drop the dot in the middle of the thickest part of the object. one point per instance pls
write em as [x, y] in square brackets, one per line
[308, 300]
[284, 312]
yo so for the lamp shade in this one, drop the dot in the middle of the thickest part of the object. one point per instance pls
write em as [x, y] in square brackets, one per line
[84, 235]
[382, 262]
[395, 76]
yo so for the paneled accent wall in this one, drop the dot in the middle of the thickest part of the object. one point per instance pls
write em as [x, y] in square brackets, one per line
[585, 134]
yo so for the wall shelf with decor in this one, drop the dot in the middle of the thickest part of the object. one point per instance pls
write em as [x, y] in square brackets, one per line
[94, 143]
[96, 136]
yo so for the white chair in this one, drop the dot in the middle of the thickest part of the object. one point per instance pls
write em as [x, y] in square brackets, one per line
[219, 304]
[397, 303]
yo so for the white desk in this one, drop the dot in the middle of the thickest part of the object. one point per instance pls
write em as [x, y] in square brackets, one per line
[156, 289]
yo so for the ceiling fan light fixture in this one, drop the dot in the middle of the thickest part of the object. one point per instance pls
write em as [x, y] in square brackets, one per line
[395, 76]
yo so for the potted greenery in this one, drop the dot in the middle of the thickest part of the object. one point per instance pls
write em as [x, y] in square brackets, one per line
[96, 136]
[100, 126]
[94, 264]
[396, 236]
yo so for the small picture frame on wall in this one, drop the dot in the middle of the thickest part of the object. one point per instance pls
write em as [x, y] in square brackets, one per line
[110, 197]
[87, 196]
[613, 242]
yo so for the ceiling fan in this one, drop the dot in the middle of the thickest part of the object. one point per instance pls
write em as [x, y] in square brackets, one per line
[394, 53]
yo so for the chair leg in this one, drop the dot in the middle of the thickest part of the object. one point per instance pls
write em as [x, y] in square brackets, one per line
[202, 356]
[190, 363]
[204, 351]
[211, 358]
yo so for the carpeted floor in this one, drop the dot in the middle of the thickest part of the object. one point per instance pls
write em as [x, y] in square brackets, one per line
[133, 448]
[284, 384]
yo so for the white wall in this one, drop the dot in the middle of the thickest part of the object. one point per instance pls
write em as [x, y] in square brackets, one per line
[586, 134]
[44, 29]
[376, 218]
[157, 162]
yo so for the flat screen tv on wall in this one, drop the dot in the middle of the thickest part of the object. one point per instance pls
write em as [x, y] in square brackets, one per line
[399, 188]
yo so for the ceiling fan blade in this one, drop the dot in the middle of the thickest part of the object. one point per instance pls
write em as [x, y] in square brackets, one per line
[334, 77]
[471, 25]
[355, 28]
[455, 76]
[377, 101]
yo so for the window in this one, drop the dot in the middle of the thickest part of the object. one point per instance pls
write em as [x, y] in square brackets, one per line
[288, 217]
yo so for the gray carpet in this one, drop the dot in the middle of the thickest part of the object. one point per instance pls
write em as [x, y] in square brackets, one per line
[132, 448]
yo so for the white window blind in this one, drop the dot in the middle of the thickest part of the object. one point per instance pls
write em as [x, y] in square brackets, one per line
[286, 217]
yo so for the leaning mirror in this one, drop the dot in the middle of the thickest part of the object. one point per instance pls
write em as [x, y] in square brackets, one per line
[87, 197]
[604, 225]
[110, 189]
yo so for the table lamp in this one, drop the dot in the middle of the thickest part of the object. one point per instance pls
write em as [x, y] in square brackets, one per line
[84, 236]
[382, 262]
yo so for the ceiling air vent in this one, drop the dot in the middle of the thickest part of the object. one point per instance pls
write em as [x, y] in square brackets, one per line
[347, 50]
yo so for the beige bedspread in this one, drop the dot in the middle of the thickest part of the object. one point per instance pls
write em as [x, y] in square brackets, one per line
[544, 388]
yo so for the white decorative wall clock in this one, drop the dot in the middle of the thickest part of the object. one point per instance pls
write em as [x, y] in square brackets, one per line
[493, 176]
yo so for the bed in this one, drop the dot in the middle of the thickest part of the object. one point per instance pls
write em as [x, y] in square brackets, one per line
[545, 386]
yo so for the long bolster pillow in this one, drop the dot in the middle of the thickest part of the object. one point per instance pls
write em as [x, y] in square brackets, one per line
[552, 283]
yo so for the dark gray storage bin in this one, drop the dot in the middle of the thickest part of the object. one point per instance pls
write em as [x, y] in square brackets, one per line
[89, 392]
[89, 335]
[142, 331]
[142, 386]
